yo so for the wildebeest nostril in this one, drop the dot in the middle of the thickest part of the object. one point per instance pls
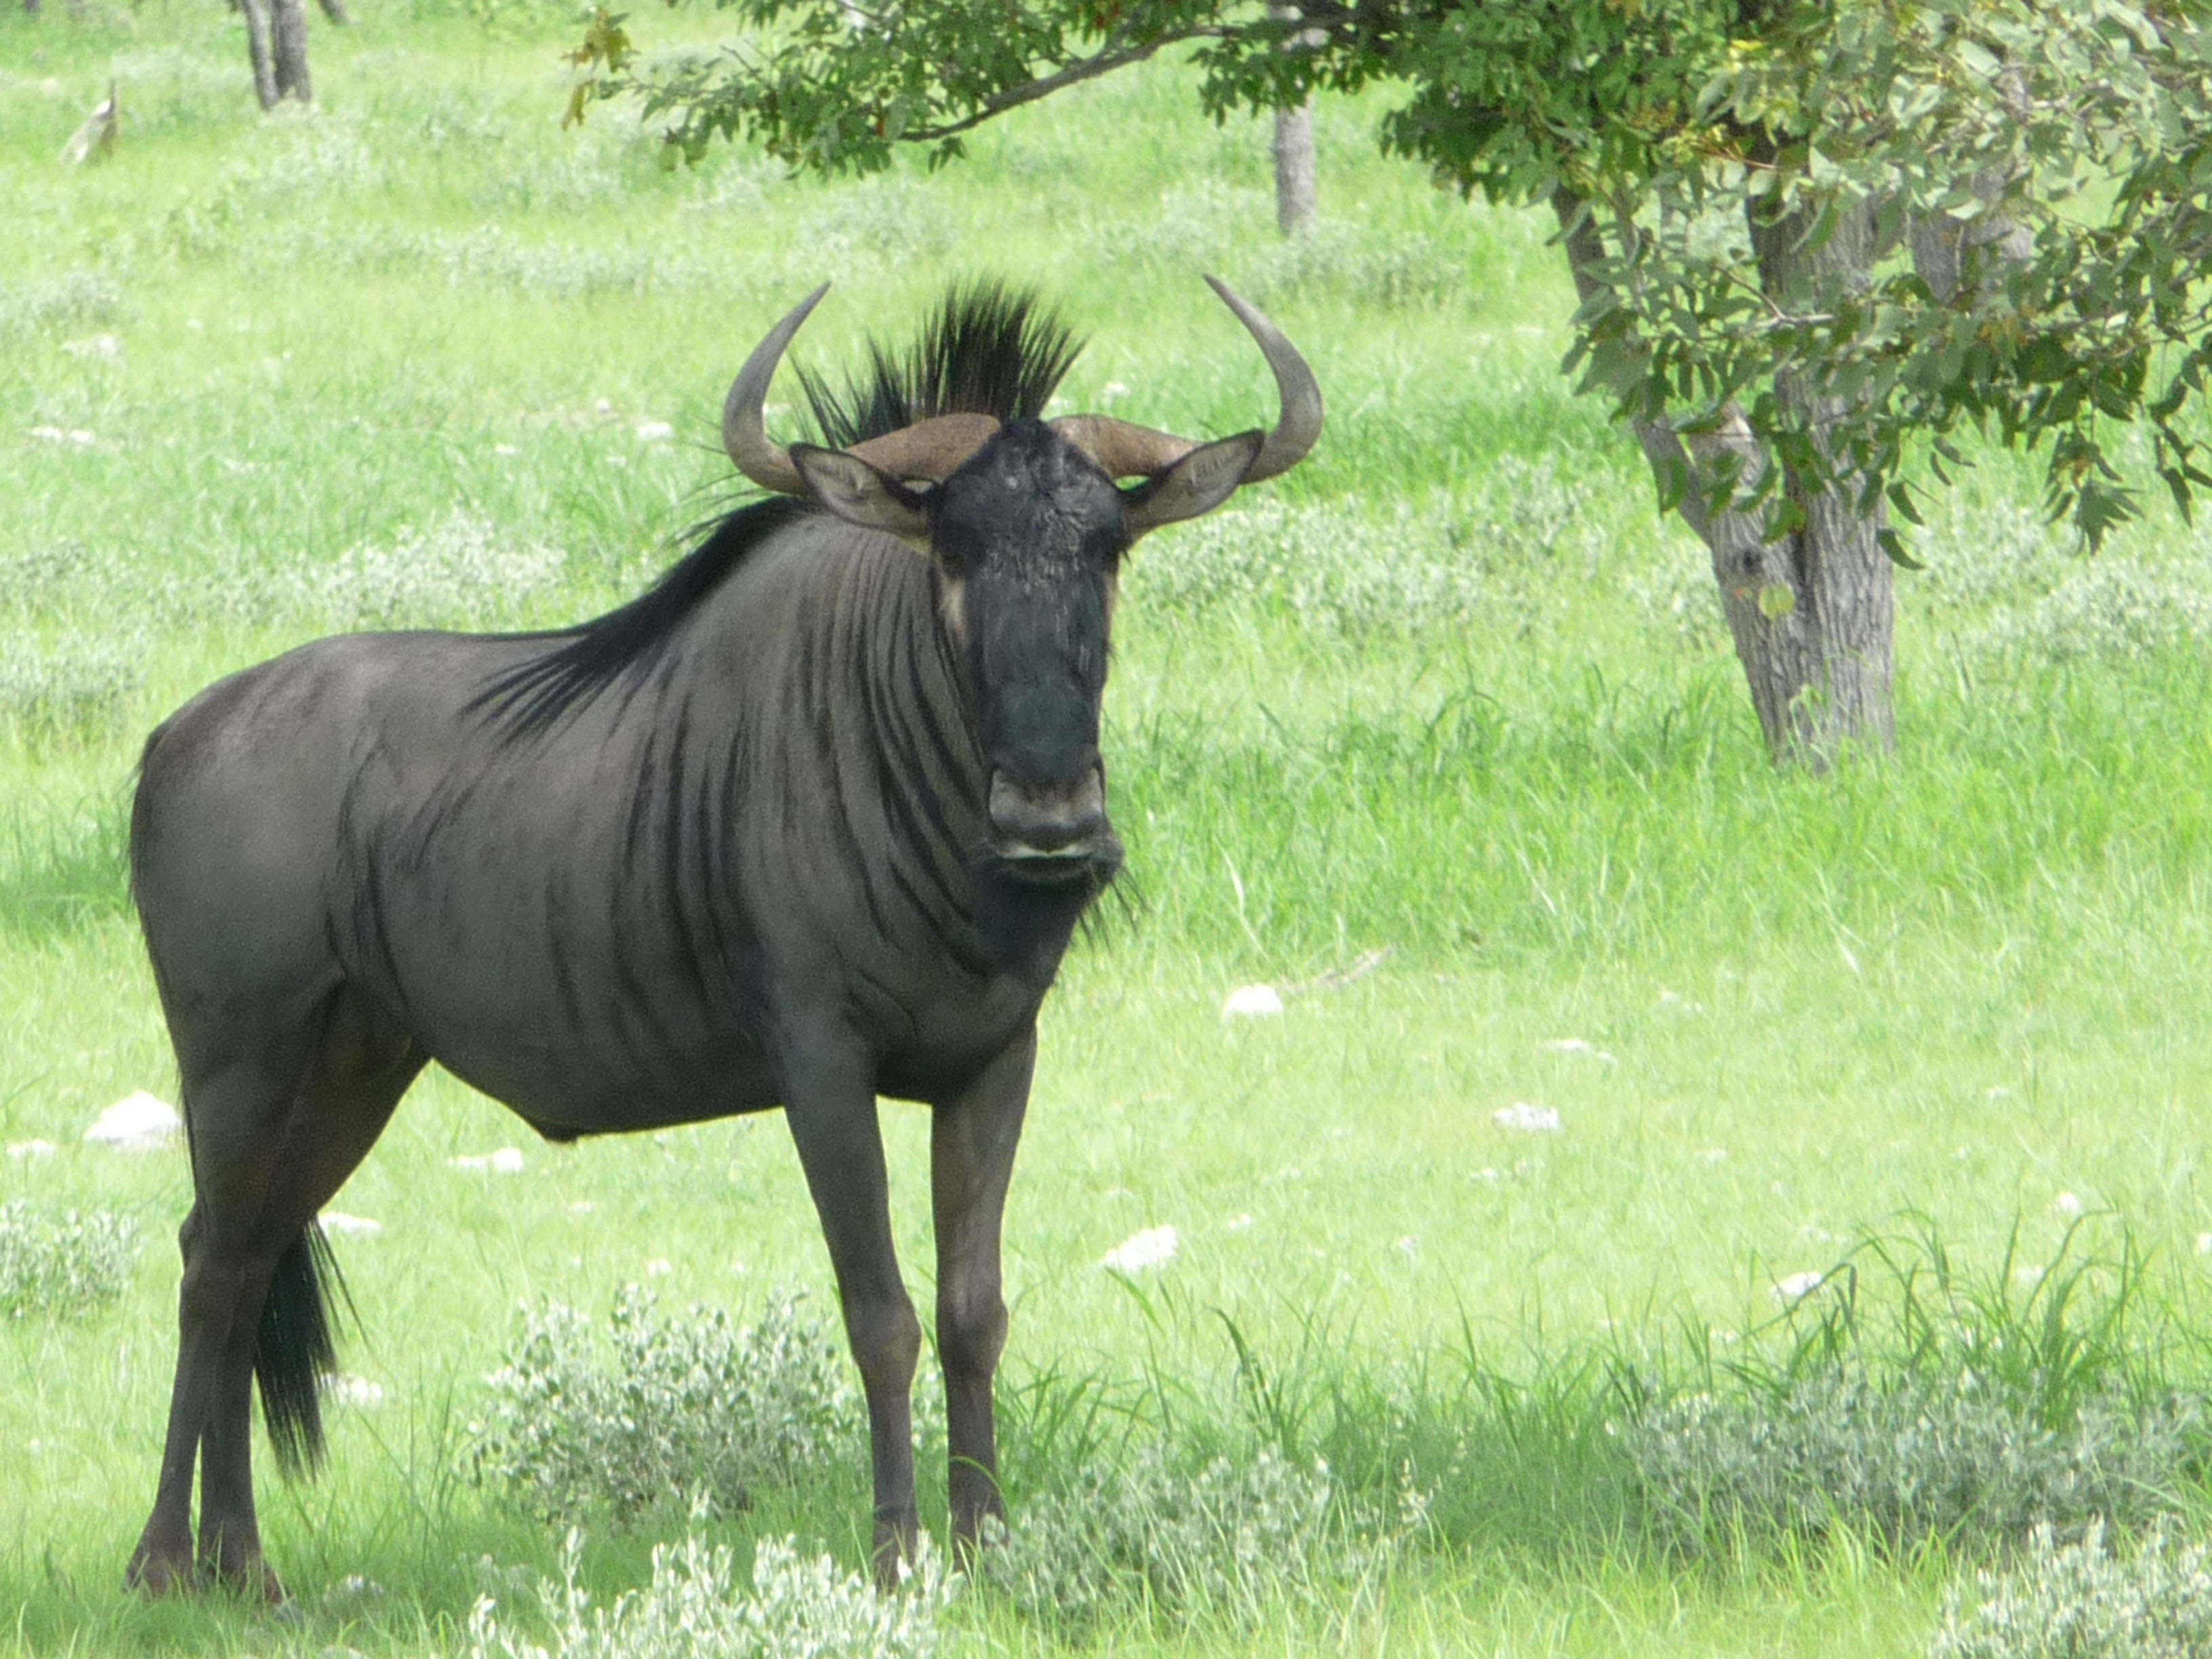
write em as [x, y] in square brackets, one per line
[1048, 817]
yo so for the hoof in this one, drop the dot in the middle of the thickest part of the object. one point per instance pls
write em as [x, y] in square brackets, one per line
[153, 1573]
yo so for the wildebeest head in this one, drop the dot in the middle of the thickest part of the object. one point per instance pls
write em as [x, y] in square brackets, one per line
[1026, 522]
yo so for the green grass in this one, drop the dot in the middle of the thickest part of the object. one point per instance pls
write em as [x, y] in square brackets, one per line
[1451, 690]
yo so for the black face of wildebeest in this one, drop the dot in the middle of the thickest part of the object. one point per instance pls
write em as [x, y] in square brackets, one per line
[809, 822]
[1030, 537]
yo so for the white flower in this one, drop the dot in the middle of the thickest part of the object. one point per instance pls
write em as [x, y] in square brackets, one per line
[1530, 1120]
[658, 1267]
[1798, 1286]
[654, 432]
[1252, 1001]
[2067, 1204]
[1238, 1224]
[1155, 1247]
[357, 1391]
[137, 1123]
[1578, 1046]
[506, 1160]
[30, 1149]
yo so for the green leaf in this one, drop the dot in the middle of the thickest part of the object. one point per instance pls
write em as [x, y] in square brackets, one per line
[1894, 545]
[1776, 600]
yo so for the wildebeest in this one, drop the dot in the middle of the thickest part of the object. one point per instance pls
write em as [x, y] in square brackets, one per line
[811, 821]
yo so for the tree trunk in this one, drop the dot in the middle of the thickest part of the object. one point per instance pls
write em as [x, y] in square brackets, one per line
[30, 8]
[1294, 169]
[1812, 610]
[258, 46]
[289, 24]
[336, 12]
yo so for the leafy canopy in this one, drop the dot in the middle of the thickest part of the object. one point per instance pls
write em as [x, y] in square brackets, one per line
[2060, 151]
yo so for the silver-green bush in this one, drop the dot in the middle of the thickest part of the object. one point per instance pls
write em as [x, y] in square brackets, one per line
[1911, 1456]
[655, 1410]
[2081, 1600]
[75, 301]
[798, 1608]
[77, 686]
[64, 1262]
[1227, 1537]
[460, 571]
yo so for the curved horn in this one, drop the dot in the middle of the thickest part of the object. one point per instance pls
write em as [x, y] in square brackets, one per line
[932, 449]
[758, 456]
[1121, 448]
[1299, 428]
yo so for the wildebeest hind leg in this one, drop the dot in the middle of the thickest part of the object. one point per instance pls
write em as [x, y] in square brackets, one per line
[273, 1138]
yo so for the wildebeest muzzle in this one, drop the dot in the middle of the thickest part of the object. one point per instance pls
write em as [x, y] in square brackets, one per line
[1053, 832]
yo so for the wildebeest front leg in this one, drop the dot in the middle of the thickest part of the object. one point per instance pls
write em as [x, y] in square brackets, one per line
[832, 1112]
[972, 1142]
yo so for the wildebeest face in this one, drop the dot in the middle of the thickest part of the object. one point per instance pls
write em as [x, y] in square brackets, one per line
[1028, 536]
[1027, 527]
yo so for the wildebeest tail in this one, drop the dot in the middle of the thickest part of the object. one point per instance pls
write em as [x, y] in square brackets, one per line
[294, 1351]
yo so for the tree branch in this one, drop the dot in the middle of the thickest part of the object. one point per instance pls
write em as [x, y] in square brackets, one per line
[1103, 62]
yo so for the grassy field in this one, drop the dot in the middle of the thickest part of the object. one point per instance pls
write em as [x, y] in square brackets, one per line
[1452, 691]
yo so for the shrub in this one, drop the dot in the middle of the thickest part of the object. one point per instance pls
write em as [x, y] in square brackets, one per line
[661, 1409]
[693, 1610]
[75, 301]
[1909, 1457]
[77, 688]
[65, 1264]
[463, 570]
[1226, 1538]
[2079, 1601]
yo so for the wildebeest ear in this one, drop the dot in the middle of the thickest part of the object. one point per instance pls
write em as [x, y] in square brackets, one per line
[1197, 484]
[860, 493]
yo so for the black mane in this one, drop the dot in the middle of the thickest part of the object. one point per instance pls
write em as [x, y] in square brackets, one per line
[988, 349]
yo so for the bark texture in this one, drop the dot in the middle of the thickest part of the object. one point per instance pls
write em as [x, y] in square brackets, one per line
[336, 12]
[276, 38]
[1295, 198]
[1812, 611]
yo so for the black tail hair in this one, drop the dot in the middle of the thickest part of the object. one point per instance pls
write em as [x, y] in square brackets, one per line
[294, 1351]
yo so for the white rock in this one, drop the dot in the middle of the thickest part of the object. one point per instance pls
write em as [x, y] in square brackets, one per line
[137, 1123]
[1252, 1002]
[507, 1160]
[1155, 1247]
[1798, 1286]
[359, 1226]
[30, 1149]
[1527, 1119]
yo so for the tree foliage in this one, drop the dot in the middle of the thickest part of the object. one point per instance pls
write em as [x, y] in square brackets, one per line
[2037, 174]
